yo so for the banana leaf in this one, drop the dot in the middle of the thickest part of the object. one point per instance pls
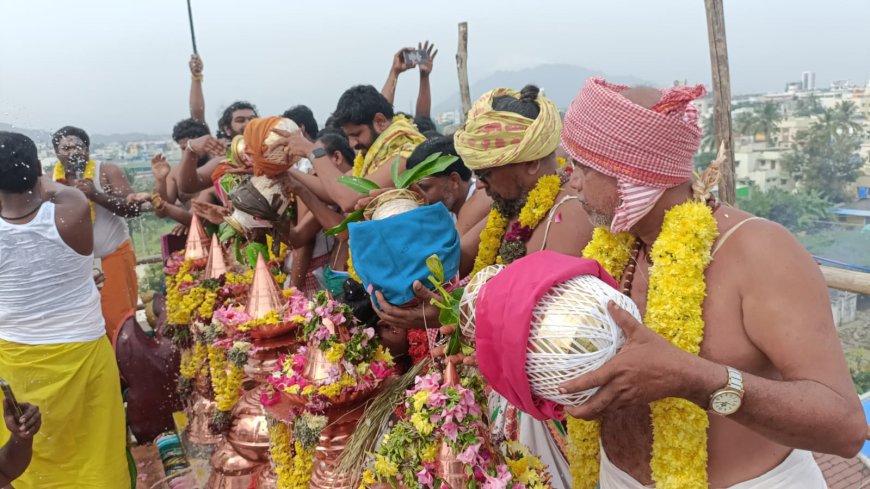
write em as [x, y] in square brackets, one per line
[358, 184]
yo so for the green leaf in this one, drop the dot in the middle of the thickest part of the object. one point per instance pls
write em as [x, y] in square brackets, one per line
[435, 163]
[225, 232]
[394, 172]
[448, 316]
[435, 266]
[352, 217]
[358, 184]
[453, 345]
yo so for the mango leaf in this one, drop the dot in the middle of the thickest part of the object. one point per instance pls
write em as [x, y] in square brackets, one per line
[435, 266]
[352, 217]
[433, 164]
[454, 345]
[394, 171]
[358, 184]
[225, 232]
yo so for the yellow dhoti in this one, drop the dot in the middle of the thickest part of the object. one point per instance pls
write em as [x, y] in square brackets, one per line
[120, 292]
[76, 386]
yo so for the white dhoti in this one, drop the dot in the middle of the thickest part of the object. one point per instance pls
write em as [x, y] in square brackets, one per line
[537, 435]
[798, 471]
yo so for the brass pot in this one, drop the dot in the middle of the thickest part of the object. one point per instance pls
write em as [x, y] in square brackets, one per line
[333, 440]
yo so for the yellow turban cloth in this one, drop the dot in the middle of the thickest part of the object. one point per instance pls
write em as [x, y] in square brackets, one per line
[494, 138]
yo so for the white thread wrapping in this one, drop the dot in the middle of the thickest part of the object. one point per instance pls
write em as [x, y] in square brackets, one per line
[468, 301]
[573, 334]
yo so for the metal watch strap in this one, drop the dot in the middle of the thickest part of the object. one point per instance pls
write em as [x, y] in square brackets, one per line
[735, 379]
[317, 153]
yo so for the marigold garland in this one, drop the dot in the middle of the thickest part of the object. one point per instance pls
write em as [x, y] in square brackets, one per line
[302, 467]
[281, 452]
[193, 361]
[540, 200]
[90, 173]
[677, 289]
[226, 382]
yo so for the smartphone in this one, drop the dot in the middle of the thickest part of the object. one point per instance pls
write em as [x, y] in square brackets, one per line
[416, 56]
[7, 392]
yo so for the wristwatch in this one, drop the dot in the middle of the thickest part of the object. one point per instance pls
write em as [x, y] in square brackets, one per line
[727, 400]
[317, 153]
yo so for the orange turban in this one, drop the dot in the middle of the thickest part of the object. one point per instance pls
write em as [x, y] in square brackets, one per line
[258, 136]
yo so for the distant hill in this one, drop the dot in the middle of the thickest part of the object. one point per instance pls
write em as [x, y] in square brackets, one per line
[559, 82]
[45, 136]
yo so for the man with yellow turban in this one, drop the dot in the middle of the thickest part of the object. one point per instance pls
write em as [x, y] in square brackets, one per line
[736, 374]
[509, 141]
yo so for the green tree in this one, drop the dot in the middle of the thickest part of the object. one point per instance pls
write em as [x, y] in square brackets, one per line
[763, 120]
[798, 211]
[826, 157]
[808, 106]
[708, 143]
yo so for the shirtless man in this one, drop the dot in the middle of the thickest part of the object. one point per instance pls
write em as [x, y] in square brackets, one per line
[767, 313]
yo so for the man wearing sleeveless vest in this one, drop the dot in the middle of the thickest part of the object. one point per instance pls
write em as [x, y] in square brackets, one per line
[106, 186]
[736, 373]
[509, 141]
[53, 349]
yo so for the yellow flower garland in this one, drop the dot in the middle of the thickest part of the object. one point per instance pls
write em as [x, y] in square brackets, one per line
[541, 199]
[226, 383]
[193, 361]
[677, 289]
[280, 452]
[302, 468]
[89, 174]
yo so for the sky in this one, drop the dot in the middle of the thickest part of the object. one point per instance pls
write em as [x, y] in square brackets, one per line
[116, 66]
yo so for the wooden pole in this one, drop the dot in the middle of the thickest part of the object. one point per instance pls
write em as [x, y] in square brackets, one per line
[721, 95]
[462, 69]
[848, 280]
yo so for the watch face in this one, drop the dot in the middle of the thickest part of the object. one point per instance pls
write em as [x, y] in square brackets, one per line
[726, 403]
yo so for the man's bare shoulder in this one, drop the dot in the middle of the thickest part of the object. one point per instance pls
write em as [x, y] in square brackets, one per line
[759, 248]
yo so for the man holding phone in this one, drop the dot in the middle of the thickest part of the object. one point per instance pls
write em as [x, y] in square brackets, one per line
[23, 421]
[53, 344]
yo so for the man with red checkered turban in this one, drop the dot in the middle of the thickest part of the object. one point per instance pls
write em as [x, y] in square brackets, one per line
[736, 374]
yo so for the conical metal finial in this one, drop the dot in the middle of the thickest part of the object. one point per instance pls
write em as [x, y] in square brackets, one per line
[216, 265]
[197, 241]
[264, 295]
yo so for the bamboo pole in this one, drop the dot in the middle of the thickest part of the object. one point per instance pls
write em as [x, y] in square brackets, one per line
[721, 95]
[462, 69]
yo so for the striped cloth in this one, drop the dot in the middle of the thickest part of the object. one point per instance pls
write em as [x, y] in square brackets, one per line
[646, 150]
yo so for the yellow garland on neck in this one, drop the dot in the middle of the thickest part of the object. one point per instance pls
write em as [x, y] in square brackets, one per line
[90, 174]
[539, 203]
[677, 289]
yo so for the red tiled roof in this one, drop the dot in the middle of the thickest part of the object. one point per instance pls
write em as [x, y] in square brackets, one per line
[841, 473]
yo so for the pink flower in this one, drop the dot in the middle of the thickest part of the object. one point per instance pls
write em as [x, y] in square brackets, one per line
[425, 478]
[450, 431]
[500, 481]
[381, 370]
[370, 332]
[436, 400]
[469, 455]
[268, 397]
[430, 382]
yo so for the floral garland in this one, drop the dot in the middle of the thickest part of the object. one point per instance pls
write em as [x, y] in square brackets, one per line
[226, 383]
[90, 173]
[677, 289]
[280, 451]
[493, 249]
[358, 362]
[436, 413]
